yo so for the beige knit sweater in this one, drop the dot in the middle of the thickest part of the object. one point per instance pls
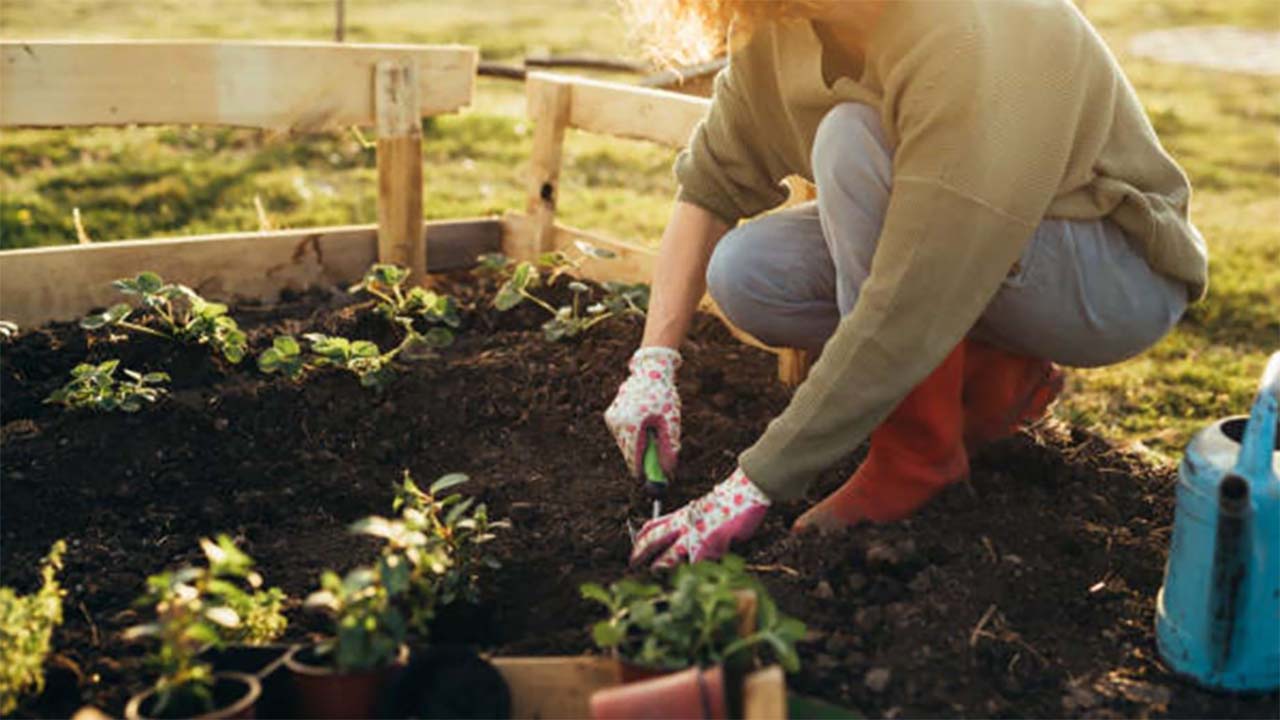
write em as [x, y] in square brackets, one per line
[1001, 113]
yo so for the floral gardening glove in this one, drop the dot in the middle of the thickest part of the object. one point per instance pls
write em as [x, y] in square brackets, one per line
[703, 529]
[648, 399]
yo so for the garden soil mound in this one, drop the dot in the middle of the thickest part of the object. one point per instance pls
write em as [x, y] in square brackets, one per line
[1028, 591]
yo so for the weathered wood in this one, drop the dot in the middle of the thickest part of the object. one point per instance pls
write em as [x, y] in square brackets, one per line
[300, 86]
[400, 167]
[548, 108]
[555, 687]
[764, 695]
[39, 285]
[627, 111]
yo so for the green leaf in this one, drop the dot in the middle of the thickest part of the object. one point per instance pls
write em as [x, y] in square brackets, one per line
[437, 337]
[607, 635]
[594, 591]
[507, 298]
[148, 282]
[286, 345]
[446, 482]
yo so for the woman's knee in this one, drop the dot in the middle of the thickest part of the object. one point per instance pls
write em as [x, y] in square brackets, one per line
[849, 137]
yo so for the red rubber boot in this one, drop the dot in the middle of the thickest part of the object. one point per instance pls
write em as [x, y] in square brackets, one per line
[1003, 392]
[918, 450]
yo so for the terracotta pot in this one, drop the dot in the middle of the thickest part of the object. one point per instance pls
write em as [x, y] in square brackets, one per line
[323, 692]
[692, 693]
[234, 696]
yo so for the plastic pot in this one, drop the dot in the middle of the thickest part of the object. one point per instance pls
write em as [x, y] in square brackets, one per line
[235, 695]
[692, 693]
[322, 692]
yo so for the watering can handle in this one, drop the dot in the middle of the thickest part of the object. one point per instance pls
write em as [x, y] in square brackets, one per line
[1258, 444]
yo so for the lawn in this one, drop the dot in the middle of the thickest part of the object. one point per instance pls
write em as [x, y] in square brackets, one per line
[151, 182]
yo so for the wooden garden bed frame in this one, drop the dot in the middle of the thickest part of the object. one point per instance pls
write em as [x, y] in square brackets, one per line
[306, 87]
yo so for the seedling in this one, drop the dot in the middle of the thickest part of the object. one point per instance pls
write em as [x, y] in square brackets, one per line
[694, 620]
[368, 628]
[581, 314]
[202, 607]
[96, 387]
[177, 313]
[362, 358]
[26, 624]
[442, 539]
[386, 283]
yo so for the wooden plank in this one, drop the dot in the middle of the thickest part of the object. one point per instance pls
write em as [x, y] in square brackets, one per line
[764, 695]
[400, 167]
[793, 366]
[555, 687]
[627, 111]
[299, 86]
[39, 285]
[548, 102]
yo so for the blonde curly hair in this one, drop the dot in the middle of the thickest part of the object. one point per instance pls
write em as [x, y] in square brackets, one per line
[684, 32]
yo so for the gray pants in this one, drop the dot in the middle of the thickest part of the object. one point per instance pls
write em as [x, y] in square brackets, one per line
[1081, 295]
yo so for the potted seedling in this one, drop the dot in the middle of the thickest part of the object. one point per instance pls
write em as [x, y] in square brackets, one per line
[174, 312]
[26, 624]
[198, 608]
[678, 642]
[695, 620]
[345, 676]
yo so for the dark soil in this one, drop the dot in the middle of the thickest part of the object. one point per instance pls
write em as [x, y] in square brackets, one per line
[1027, 592]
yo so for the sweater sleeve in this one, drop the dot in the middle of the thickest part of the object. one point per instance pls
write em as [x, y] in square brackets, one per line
[968, 192]
[729, 168]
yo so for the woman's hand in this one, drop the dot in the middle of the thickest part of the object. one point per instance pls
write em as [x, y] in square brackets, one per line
[648, 399]
[703, 529]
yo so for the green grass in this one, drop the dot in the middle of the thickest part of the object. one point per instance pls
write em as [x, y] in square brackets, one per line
[146, 182]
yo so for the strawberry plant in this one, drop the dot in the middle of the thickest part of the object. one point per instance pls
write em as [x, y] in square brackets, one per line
[96, 387]
[440, 538]
[203, 607]
[174, 312]
[519, 280]
[368, 627]
[693, 620]
[26, 624]
[386, 283]
[362, 358]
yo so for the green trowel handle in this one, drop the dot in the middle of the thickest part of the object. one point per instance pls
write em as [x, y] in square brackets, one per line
[655, 479]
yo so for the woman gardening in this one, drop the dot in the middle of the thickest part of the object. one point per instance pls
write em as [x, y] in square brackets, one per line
[992, 202]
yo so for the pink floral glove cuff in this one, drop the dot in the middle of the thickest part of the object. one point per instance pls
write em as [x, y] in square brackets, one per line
[704, 528]
[648, 399]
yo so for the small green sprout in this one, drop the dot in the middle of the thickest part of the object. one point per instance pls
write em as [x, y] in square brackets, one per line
[202, 607]
[178, 311]
[26, 624]
[581, 314]
[362, 358]
[368, 627]
[386, 283]
[95, 387]
[693, 620]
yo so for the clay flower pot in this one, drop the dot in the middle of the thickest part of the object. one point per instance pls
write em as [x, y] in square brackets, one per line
[692, 693]
[323, 692]
[234, 696]
[631, 672]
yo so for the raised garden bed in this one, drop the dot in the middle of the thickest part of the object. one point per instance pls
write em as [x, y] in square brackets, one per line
[1029, 591]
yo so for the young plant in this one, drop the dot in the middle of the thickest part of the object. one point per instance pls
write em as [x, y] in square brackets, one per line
[441, 539]
[26, 624]
[386, 283]
[581, 314]
[694, 620]
[178, 312]
[368, 627]
[203, 607]
[95, 387]
[361, 358]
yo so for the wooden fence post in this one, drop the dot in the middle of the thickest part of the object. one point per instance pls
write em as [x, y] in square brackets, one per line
[548, 107]
[401, 234]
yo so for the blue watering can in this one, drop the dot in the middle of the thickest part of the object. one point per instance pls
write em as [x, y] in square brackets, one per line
[1218, 614]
